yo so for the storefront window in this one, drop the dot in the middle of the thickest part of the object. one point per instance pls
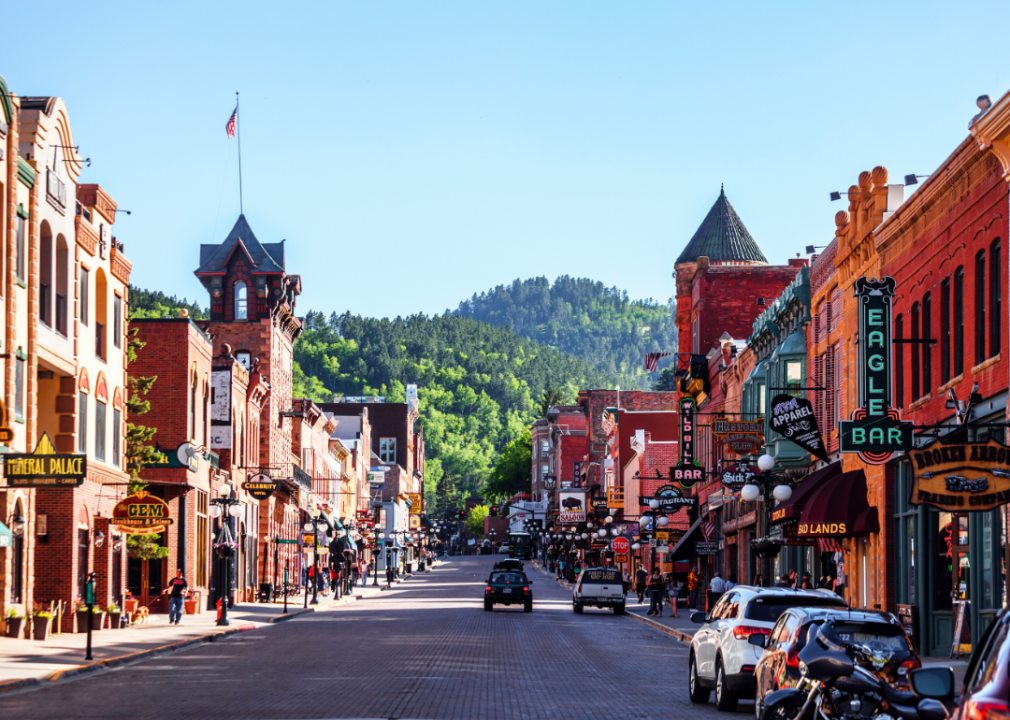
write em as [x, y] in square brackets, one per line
[988, 522]
[794, 377]
[904, 531]
[944, 562]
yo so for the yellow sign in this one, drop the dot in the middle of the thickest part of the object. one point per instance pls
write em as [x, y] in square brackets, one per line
[141, 514]
[416, 501]
[45, 467]
[662, 535]
[960, 478]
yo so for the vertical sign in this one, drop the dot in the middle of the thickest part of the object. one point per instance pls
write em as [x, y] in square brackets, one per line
[875, 430]
[687, 471]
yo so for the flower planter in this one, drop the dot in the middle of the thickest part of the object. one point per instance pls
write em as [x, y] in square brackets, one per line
[14, 627]
[40, 627]
[99, 622]
[115, 620]
[82, 621]
[190, 606]
[131, 606]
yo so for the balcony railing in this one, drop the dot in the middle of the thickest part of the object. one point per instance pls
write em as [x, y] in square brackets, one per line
[302, 477]
[56, 189]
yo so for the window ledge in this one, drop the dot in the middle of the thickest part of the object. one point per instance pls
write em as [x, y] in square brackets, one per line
[19, 419]
[21, 283]
[985, 364]
[949, 384]
[920, 402]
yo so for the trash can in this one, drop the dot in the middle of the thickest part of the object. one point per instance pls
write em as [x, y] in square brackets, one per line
[266, 592]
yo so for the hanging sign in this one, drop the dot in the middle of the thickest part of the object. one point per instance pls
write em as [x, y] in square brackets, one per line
[794, 418]
[960, 478]
[45, 468]
[260, 486]
[416, 503]
[573, 509]
[6, 434]
[741, 437]
[738, 475]
[141, 514]
[875, 430]
[687, 472]
[670, 499]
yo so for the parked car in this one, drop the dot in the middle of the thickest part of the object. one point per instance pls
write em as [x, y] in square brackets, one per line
[503, 548]
[779, 666]
[721, 657]
[599, 587]
[986, 691]
[510, 564]
[508, 587]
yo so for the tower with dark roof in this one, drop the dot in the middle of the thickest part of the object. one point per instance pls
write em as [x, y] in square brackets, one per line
[722, 238]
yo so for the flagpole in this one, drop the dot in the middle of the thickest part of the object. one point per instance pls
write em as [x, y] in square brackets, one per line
[239, 119]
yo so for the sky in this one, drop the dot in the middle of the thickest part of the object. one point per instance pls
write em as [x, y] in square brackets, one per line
[414, 153]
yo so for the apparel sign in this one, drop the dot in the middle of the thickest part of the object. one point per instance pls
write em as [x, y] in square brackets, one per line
[141, 514]
[959, 478]
[260, 486]
[794, 418]
[670, 499]
[743, 437]
[573, 509]
[44, 467]
[875, 430]
[739, 475]
[687, 471]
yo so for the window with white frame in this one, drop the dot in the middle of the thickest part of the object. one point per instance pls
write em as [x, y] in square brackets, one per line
[387, 450]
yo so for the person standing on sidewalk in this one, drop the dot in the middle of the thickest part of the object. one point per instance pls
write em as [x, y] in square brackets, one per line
[717, 586]
[657, 586]
[641, 582]
[673, 593]
[692, 590]
[177, 586]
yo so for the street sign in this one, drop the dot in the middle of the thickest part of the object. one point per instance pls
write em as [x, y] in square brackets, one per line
[620, 558]
[620, 545]
[286, 542]
[653, 542]
[662, 535]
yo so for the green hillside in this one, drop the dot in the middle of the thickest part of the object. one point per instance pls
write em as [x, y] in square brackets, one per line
[584, 318]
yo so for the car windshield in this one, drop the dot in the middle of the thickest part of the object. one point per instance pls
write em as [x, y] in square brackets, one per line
[865, 632]
[769, 608]
[511, 578]
[601, 576]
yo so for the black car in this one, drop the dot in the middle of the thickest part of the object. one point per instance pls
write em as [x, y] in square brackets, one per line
[507, 587]
[510, 564]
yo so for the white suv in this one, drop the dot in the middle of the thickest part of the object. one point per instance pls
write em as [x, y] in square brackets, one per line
[721, 658]
[599, 587]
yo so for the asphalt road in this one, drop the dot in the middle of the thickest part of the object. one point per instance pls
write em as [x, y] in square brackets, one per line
[424, 649]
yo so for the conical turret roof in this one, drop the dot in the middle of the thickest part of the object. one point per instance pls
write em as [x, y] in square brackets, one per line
[722, 237]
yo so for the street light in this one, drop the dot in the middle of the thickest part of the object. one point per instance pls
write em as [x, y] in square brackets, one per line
[314, 527]
[225, 544]
[375, 564]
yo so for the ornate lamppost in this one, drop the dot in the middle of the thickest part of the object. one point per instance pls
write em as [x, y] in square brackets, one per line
[225, 546]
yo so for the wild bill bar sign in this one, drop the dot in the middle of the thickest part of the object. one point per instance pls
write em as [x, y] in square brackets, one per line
[794, 419]
[959, 478]
[687, 471]
[875, 430]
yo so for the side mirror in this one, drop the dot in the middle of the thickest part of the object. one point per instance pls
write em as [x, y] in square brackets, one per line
[758, 639]
[698, 617]
[933, 683]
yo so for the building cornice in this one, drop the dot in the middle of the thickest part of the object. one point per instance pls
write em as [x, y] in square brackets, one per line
[991, 130]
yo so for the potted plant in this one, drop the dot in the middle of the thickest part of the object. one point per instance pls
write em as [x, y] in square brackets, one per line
[766, 547]
[190, 604]
[225, 548]
[99, 622]
[41, 620]
[130, 604]
[15, 623]
[81, 611]
[115, 616]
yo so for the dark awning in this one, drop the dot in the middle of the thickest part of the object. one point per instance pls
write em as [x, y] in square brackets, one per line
[684, 549]
[792, 508]
[839, 508]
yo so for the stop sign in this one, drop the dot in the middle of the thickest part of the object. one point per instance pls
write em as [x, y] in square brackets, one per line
[620, 545]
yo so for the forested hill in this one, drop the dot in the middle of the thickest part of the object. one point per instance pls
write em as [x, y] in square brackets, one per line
[479, 385]
[581, 317]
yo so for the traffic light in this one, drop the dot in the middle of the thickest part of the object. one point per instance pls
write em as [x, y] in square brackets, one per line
[462, 514]
[493, 512]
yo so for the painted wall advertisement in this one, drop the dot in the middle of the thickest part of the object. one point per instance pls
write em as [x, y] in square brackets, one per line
[573, 507]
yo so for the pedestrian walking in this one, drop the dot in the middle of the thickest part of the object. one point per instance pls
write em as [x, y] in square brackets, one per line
[716, 586]
[626, 581]
[692, 590]
[641, 582]
[177, 586]
[731, 583]
[673, 593]
[759, 580]
[656, 589]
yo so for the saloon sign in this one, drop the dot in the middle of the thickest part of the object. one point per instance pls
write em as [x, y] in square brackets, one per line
[959, 478]
[573, 508]
[687, 471]
[875, 430]
[141, 514]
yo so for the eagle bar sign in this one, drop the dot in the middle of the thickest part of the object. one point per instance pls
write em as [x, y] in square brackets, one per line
[687, 471]
[44, 468]
[875, 430]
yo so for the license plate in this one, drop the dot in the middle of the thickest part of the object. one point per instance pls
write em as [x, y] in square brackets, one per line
[507, 591]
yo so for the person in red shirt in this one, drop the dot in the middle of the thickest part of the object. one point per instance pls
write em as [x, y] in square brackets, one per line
[177, 586]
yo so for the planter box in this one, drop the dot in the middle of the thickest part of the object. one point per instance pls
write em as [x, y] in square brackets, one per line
[131, 606]
[40, 628]
[14, 627]
[190, 607]
[82, 621]
[115, 620]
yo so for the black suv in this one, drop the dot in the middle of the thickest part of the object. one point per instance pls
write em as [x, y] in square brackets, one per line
[508, 587]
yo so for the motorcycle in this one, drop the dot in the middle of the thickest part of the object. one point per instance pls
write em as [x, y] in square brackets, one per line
[836, 684]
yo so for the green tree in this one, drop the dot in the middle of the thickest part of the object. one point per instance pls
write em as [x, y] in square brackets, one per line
[552, 397]
[154, 304]
[667, 380]
[512, 473]
[474, 521]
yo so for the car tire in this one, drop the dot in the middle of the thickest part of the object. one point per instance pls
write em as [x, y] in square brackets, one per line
[577, 607]
[695, 691]
[528, 606]
[725, 699]
[619, 609]
[488, 606]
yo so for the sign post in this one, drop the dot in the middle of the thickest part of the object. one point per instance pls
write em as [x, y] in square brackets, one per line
[89, 601]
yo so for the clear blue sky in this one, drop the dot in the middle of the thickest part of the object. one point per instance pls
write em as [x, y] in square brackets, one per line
[413, 153]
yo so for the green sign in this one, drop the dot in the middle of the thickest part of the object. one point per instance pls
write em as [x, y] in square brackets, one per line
[875, 431]
[89, 593]
[688, 471]
[286, 542]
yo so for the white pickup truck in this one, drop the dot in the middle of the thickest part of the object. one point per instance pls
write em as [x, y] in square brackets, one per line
[599, 587]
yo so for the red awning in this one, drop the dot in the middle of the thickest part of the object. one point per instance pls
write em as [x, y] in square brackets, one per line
[839, 508]
[792, 508]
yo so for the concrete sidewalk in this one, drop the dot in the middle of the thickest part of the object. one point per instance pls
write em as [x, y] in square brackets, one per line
[24, 662]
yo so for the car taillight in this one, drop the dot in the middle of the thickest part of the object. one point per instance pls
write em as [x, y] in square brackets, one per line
[909, 665]
[985, 710]
[526, 589]
[488, 589]
[742, 632]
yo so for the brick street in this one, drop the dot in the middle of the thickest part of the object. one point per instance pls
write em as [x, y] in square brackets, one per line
[424, 649]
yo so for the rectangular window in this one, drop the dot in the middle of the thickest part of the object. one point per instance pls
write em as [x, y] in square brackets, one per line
[19, 389]
[100, 430]
[99, 340]
[82, 423]
[84, 296]
[387, 450]
[995, 300]
[20, 259]
[543, 448]
[927, 348]
[945, 331]
[202, 532]
[117, 321]
[794, 377]
[913, 326]
[761, 398]
[899, 362]
[958, 349]
[980, 327]
[117, 431]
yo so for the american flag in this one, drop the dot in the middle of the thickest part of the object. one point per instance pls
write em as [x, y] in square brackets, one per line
[652, 360]
[708, 529]
[230, 127]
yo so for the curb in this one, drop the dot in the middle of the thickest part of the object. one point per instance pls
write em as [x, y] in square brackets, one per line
[291, 615]
[9, 685]
[679, 634]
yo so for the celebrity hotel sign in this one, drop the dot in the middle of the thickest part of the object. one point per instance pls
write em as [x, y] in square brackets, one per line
[875, 430]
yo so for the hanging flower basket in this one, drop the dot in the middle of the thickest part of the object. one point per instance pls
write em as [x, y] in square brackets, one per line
[765, 548]
[226, 548]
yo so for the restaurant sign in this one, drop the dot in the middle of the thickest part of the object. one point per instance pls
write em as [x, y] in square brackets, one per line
[260, 486]
[45, 468]
[738, 475]
[416, 503]
[141, 514]
[687, 472]
[670, 498]
[960, 478]
[875, 431]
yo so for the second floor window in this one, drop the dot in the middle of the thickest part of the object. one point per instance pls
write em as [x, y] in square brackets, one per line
[927, 348]
[19, 389]
[995, 300]
[899, 362]
[958, 349]
[117, 422]
[945, 331]
[117, 321]
[82, 422]
[84, 296]
[20, 250]
[100, 430]
[241, 302]
[980, 326]
[387, 450]
[913, 326]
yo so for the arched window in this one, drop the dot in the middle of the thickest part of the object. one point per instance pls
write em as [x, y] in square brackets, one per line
[62, 293]
[18, 555]
[241, 302]
[927, 348]
[980, 327]
[995, 299]
[192, 408]
[958, 321]
[46, 275]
